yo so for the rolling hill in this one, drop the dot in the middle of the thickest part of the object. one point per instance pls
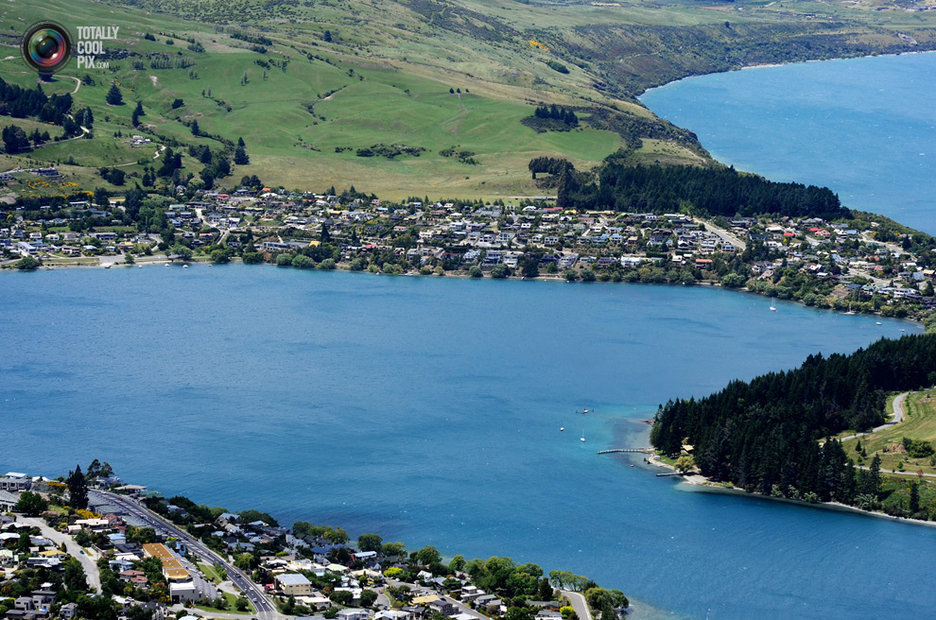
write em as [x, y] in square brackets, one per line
[380, 93]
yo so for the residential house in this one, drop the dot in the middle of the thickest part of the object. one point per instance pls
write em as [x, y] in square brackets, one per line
[7, 501]
[14, 482]
[392, 614]
[353, 613]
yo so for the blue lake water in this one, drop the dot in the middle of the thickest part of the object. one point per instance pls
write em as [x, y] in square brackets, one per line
[428, 410]
[864, 127]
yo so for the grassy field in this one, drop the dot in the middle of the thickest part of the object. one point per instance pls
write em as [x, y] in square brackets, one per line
[305, 102]
[919, 424]
[210, 572]
[232, 609]
[301, 100]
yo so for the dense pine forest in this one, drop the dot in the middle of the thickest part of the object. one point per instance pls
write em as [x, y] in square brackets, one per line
[765, 435]
[716, 191]
[19, 102]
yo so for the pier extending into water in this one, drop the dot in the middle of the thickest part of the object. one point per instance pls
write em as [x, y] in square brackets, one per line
[616, 450]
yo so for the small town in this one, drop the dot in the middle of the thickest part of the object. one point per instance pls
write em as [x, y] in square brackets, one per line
[132, 554]
[867, 264]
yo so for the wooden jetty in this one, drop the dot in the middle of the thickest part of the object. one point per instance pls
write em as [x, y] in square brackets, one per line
[618, 450]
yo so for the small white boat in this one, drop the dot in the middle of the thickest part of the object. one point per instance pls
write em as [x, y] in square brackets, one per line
[773, 309]
[878, 323]
[582, 438]
[561, 428]
[184, 266]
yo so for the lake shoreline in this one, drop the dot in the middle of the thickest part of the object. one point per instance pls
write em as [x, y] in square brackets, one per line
[770, 65]
[463, 275]
[700, 483]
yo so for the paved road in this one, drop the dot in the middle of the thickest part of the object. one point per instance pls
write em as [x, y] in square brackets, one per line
[578, 604]
[898, 409]
[88, 564]
[727, 235]
[266, 610]
[899, 415]
[899, 473]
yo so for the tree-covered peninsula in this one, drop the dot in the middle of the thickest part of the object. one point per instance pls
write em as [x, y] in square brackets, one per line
[771, 435]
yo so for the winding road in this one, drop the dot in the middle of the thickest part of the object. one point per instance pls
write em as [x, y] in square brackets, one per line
[899, 415]
[579, 604]
[898, 410]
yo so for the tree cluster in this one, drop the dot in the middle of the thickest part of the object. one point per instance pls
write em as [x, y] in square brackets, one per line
[15, 139]
[508, 579]
[715, 191]
[549, 165]
[557, 113]
[551, 118]
[114, 176]
[336, 536]
[20, 102]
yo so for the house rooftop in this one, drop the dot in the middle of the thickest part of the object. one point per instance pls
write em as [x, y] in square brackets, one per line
[292, 579]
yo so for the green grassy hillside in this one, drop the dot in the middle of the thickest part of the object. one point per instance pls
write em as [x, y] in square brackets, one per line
[310, 84]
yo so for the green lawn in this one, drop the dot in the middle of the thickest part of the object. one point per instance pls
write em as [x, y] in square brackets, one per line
[210, 572]
[919, 424]
[68, 261]
[232, 600]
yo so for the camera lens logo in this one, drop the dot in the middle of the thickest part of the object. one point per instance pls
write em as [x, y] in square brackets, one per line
[46, 47]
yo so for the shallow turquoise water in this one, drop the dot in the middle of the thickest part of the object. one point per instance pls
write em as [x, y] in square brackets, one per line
[864, 127]
[429, 409]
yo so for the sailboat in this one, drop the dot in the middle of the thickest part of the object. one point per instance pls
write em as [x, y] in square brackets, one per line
[582, 438]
